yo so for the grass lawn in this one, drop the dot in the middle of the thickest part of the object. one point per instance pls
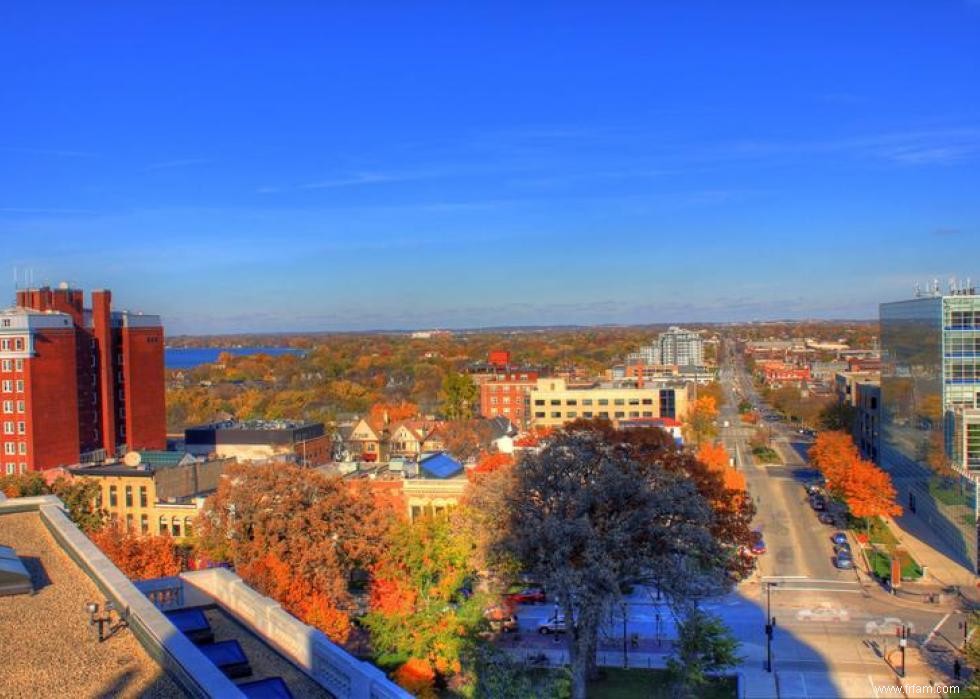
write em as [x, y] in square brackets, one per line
[618, 683]
[881, 565]
[947, 494]
[766, 455]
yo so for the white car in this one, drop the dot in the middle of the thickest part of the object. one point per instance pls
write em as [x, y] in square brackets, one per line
[889, 626]
[823, 613]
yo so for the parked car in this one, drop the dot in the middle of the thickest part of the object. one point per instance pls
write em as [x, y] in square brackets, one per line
[818, 503]
[501, 618]
[813, 489]
[889, 626]
[758, 546]
[843, 547]
[556, 624]
[843, 561]
[839, 538]
[824, 612]
[529, 595]
[826, 518]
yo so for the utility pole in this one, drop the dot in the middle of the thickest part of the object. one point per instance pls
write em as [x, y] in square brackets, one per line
[770, 624]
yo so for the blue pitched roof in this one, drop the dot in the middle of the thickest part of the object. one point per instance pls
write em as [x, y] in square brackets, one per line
[441, 466]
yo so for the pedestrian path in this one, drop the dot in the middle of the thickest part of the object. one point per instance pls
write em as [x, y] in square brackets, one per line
[914, 536]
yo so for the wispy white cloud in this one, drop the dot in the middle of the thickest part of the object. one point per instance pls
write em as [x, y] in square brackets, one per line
[170, 164]
[369, 178]
[55, 152]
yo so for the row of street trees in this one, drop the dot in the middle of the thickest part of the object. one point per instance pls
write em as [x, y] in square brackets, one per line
[865, 488]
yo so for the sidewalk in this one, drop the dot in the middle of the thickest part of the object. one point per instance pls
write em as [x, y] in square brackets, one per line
[914, 536]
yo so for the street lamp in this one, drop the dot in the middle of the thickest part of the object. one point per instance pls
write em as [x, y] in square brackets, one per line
[625, 652]
[770, 623]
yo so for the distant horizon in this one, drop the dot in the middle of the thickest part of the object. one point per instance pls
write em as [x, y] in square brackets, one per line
[525, 328]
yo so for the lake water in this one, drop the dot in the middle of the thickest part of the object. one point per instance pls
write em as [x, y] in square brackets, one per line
[190, 357]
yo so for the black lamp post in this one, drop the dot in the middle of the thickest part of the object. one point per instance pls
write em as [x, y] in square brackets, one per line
[770, 624]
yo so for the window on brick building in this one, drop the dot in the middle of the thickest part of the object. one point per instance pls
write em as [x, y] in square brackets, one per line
[9, 448]
[20, 406]
[23, 468]
[7, 386]
[10, 469]
[175, 526]
[129, 496]
[144, 524]
[22, 448]
[6, 365]
[142, 496]
[18, 365]
[20, 385]
[164, 527]
[8, 427]
[113, 496]
[8, 406]
[21, 427]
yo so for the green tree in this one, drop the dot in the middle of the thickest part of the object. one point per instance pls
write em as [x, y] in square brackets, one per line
[458, 394]
[419, 613]
[704, 646]
[586, 518]
[79, 497]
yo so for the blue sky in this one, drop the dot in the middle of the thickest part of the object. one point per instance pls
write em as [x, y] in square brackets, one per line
[310, 165]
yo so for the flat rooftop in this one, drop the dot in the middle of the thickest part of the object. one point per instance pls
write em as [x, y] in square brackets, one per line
[265, 661]
[46, 646]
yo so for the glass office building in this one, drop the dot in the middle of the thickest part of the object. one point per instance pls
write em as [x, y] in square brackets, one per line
[930, 422]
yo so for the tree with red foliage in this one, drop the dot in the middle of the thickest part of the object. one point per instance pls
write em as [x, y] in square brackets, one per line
[296, 536]
[489, 463]
[139, 557]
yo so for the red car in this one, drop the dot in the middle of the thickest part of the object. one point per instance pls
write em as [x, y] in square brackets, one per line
[529, 595]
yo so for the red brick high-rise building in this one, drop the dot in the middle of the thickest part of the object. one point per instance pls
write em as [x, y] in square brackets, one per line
[77, 383]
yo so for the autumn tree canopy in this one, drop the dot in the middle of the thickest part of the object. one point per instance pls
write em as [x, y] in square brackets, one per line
[586, 518]
[138, 556]
[296, 536]
[866, 488]
[700, 422]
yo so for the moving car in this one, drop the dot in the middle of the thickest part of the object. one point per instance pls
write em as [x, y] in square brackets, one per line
[889, 626]
[556, 624]
[529, 595]
[839, 538]
[824, 612]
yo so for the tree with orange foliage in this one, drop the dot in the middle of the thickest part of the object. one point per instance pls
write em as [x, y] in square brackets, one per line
[833, 453]
[296, 536]
[390, 413]
[716, 458]
[869, 492]
[700, 420]
[139, 557]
